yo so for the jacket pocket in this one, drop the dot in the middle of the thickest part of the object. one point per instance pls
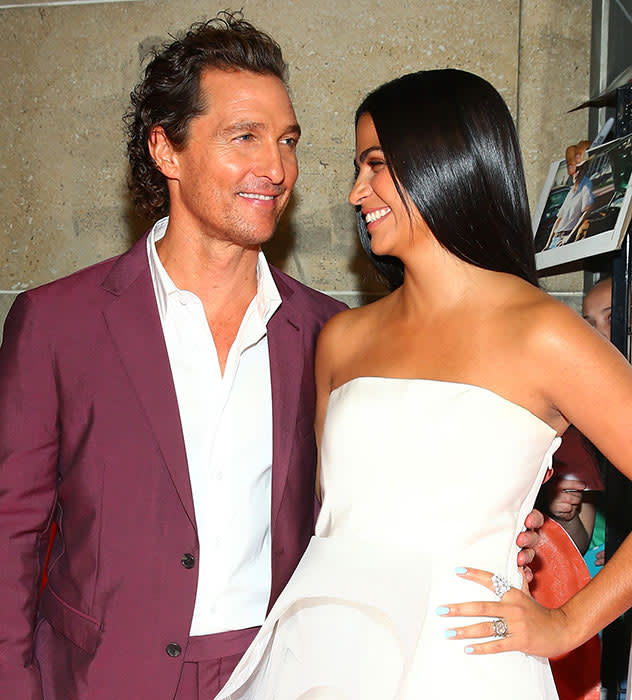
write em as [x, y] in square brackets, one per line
[81, 629]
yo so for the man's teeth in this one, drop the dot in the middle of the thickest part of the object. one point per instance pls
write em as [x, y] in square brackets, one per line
[252, 195]
[377, 214]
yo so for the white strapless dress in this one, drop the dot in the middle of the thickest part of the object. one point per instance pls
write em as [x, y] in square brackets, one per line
[418, 477]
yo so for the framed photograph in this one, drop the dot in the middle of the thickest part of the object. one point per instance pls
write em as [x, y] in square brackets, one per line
[588, 213]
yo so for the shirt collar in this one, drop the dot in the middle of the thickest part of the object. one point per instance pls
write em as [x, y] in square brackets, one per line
[267, 300]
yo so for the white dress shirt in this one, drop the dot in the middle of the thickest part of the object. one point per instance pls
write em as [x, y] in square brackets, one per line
[578, 198]
[227, 426]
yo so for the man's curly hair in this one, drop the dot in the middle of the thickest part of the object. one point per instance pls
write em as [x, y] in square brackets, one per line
[169, 94]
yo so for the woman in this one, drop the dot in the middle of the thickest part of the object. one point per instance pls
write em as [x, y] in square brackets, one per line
[439, 408]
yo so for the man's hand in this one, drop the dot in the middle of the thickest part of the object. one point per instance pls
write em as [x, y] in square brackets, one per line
[575, 155]
[528, 540]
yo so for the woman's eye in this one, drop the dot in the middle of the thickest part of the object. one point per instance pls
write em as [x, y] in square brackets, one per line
[376, 163]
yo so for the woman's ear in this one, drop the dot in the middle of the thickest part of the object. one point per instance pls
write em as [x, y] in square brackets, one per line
[163, 152]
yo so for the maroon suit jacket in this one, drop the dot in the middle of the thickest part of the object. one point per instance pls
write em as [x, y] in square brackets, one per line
[90, 436]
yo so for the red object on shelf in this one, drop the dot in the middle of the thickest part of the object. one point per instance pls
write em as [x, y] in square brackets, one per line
[560, 571]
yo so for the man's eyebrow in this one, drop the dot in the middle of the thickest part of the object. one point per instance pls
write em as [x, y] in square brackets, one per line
[236, 127]
[239, 127]
[365, 153]
[294, 129]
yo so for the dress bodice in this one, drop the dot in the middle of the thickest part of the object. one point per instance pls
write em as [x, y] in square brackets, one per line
[411, 461]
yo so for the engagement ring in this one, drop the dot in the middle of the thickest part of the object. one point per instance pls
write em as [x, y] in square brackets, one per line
[500, 627]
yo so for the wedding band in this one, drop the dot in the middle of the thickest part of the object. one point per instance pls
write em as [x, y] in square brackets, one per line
[500, 627]
[501, 585]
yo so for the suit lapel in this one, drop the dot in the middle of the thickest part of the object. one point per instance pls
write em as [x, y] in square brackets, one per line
[285, 345]
[134, 324]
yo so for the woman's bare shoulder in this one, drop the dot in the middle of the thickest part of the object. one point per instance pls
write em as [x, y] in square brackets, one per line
[556, 345]
[549, 323]
[347, 333]
[531, 313]
[351, 322]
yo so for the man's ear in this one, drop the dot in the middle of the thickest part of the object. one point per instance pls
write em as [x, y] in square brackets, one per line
[163, 152]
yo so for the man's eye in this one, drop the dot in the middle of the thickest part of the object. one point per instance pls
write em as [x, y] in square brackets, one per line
[244, 137]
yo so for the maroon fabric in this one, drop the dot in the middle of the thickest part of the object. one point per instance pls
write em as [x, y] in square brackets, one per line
[208, 662]
[576, 458]
[90, 434]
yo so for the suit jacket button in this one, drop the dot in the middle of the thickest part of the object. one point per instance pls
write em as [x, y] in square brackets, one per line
[188, 561]
[173, 649]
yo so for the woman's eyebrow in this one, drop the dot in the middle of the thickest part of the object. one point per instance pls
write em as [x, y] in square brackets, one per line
[363, 156]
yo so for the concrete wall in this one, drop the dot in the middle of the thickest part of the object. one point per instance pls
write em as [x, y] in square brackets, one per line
[66, 69]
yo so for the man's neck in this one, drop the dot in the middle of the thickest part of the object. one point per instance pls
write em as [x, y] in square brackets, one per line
[221, 274]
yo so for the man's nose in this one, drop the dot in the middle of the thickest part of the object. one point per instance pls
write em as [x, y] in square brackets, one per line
[270, 163]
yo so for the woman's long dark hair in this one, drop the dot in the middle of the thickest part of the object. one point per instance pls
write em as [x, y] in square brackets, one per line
[449, 142]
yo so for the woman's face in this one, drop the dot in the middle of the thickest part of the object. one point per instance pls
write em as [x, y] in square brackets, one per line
[375, 193]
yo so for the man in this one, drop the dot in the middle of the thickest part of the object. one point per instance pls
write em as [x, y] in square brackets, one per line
[159, 406]
[597, 307]
[574, 209]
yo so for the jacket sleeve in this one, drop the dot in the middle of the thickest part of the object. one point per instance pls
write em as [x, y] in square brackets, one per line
[29, 447]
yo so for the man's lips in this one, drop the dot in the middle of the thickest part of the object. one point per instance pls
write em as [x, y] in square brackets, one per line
[258, 196]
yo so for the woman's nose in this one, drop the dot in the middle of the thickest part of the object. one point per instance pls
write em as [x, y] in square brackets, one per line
[361, 188]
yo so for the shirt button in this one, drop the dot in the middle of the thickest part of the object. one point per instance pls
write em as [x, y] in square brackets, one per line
[188, 561]
[173, 649]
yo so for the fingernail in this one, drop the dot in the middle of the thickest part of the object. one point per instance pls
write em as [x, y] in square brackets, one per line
[450, 633]
[442, 610]
[469, 650]
[460, 570]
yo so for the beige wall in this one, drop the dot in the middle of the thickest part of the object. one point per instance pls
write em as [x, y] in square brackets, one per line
[66, 72]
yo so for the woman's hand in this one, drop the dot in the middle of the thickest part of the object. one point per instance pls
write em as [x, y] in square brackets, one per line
[530, 627]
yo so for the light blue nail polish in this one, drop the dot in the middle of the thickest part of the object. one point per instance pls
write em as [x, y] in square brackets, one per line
[450, 633]
[442, 611]
[469, 650]
[460, 570]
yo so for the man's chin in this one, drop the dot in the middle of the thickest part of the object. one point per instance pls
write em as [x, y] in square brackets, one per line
[254, 238]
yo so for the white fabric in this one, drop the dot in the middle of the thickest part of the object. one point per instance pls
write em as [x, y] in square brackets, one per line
[419, 477]
[577, 199]
[227, 426]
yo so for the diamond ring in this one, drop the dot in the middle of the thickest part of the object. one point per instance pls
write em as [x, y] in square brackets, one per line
[501, 585]
[500, 627]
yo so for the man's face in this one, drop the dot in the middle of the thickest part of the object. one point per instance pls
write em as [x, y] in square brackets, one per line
[597, 308]
[233, 177]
